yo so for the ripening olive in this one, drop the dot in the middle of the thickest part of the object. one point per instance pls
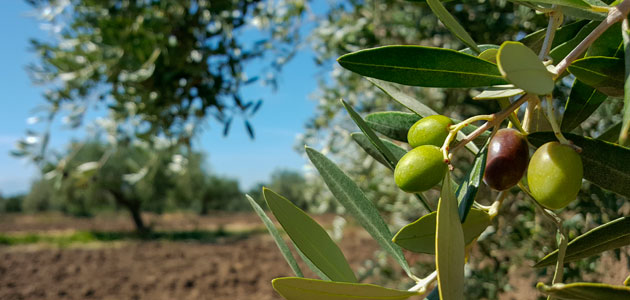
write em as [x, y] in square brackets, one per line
[507, 159]
[431, 130]
[420, 169]
[555, 175]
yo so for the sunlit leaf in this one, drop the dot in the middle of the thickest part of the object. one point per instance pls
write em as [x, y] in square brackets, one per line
[567, 32]
[414, 105]
[521, 67]
[284, 248]
[498, 92]
[585, 291]
[482, 48]
[356, 203]
[392, 124]
[606, 74]
[388, 155]
[569, 3]
[609, 236]
[310, 238]
[419, 236]
[292, 288]
[423, 66]
[489, 55]
[583, 101]
[605, 164]
[364, 142]
[449, 245]
[451, 23]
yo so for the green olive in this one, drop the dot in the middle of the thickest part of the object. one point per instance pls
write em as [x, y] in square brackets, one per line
[420, 169]
[555, 175]
[431, 130]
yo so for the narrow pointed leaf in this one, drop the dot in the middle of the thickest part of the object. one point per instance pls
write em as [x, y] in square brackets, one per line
[606, 74]
[609, 236]
[482, 47]
[415, 106]
[310, 264]
[419, 236]
[388, 155]
[627, 281]
[356, 203]
[570, 3]
[521, 67]
[625, 127]
[451, 23]
[499, 92]
[449, 245]
[561, 51]
[292, 288]
[467, 191]
[284, 248]
[583, 101]
[608, 44]
[423, 66]
[392, 124]
[310, 238]
[535, 40]
[364, 142]
[585, 291]
[611, 134]
[605, 164]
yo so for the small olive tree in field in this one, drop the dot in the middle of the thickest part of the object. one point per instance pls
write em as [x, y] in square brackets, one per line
[587, 42]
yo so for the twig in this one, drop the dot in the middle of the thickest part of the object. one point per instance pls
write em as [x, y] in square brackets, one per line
[615, 14]
[496, 119]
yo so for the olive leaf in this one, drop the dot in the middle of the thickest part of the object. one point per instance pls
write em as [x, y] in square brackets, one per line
[449, 245]
[419, 236]
[520, 65]
[415, 106]
[310, 238]
[609, 236]
[392, 124]
[499, 92]
[292, 288]
[561, 51]
[388, 155]
[356, 203]
[567, 32]
[364, 142]
[625, 128]
[606, 74]
[585, 291]
[467, 191]
[583, 101]
[451, 23]
[284, 248]
[422, 66]
[605, 164]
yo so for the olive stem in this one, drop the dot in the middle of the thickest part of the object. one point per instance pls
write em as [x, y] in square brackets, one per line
[555, 19]
[454, 129]
[494, 208]
[422, 284]
[615, 14]
[551, 117]
[497, 118]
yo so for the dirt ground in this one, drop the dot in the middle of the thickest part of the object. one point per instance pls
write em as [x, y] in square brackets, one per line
[228, 268]
[233, 266]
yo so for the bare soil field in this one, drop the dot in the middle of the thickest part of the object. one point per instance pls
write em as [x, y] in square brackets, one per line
[223, 256]
[230, 267]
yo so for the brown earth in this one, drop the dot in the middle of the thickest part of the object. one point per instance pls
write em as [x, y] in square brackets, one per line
[230, 266]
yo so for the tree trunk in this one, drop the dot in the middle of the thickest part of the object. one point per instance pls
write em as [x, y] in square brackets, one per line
[133, 208]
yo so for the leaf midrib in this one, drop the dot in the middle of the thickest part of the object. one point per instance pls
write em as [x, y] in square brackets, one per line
[422, 69]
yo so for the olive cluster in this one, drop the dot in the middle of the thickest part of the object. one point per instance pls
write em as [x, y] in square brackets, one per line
[554, 173]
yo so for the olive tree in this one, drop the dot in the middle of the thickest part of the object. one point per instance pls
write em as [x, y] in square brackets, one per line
[585, 43]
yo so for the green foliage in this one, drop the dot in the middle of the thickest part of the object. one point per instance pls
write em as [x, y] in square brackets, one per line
[311, 289]
[603, 73]
[520, 236]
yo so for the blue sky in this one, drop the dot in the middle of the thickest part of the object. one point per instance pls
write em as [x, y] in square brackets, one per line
[276, 124]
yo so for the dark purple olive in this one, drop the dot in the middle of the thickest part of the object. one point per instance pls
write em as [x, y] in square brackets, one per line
[507, 159]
